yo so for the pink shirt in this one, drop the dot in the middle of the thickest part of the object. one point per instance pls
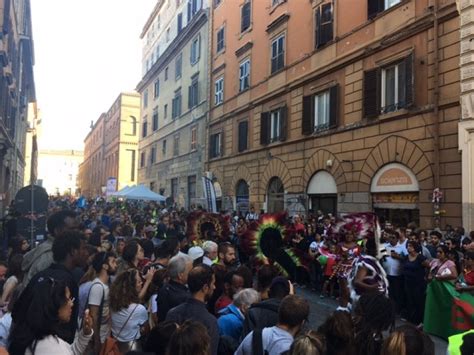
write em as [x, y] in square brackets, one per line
[444, 268]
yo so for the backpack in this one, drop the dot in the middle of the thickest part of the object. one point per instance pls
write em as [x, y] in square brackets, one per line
[111, 346]
[257, 343]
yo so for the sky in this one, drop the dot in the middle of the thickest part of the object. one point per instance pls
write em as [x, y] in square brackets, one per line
[86, 53]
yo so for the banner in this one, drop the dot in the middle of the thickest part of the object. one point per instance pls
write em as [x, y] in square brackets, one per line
[209, 194]
[447, 311]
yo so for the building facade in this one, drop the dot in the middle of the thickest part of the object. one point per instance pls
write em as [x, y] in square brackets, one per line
[174, 92]
[58, 171]
[17, 90]
[111, 147]
[337, 106]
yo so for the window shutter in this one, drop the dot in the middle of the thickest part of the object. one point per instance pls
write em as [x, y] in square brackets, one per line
[283, 124]
[409, 80]
[333, 106]
[317, 33]
[307, 123]
[371, 94]
[211, 146]
[326, 28]
[190, 93]
[222, 144]
[189, 11]
[264, 128]
[243, 133]
[374, 7]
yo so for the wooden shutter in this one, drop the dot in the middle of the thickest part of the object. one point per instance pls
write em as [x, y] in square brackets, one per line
[317, 33]
[333, 106]
[326, 27]
[307, 123]
[374, 7]
[283, 124]
[264, 128]
[243, 134]
[222, 143]
[190, 94]
[371, 93]
[409, 80]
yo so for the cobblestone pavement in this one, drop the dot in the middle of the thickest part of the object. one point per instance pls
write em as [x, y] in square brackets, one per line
[321, 308]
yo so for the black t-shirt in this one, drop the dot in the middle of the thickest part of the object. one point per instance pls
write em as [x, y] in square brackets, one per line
[414, 271]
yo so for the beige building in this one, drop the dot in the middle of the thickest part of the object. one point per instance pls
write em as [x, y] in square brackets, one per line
[342, 106]
[58, 170]
[111, 147]
[174, 91]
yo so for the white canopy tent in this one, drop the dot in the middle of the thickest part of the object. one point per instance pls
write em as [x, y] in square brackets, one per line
[140, 192]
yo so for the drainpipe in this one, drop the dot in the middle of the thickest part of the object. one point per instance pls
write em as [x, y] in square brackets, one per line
[434, 6]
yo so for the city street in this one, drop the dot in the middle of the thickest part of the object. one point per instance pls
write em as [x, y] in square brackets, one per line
[321, 308]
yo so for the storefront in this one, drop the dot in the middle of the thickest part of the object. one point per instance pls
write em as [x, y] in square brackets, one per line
[395, 193]
[275, 196]
[242, 197]
[322, 193]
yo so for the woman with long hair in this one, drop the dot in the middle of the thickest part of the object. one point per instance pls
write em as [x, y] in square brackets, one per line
[14, 277]
[405, 340]
[132, 255]
[38, 318]
[441, 268]
[189, 338]
[308, 343]
[129, 317]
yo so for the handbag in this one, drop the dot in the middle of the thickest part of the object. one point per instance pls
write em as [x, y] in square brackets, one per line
[111, 345]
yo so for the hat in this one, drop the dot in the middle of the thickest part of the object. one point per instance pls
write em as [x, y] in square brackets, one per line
[195, 252]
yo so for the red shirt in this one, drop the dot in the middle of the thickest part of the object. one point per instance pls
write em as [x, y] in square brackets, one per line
[469, 278]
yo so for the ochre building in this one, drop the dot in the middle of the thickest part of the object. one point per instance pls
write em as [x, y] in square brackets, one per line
[340, 106]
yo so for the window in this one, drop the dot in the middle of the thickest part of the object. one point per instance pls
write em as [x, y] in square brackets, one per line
[219, 91]
[220, 39]
[323, 25]
[244, 75]
[193, 138]
[243, 136]
[152, 185]
[133, 126]
[273, 126]
[155, 119]
[176, 105]
[278, 54]
[375, 7]
[142, 160]
[178, 66]
[166, 73]
[193, 93]
[193, 7]
[195, 50]
[245, 17]
[145, 99]
[174, 189]
[166, 111]
[176, 145]
[215, 145]
[163, 149]
[144, 128]
[153, 155]
[389, 88]
[156, 91]
[180, 22]
[277, 2]
[320, 111]
[191, 189]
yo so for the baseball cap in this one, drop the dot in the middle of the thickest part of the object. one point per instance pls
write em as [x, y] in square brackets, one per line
[195, 252]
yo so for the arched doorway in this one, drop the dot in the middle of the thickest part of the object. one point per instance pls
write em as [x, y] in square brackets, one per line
[275, 195]
[322, 193]
[395, 193]
[242, 197]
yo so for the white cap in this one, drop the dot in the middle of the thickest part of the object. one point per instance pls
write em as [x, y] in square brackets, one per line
[195, 252]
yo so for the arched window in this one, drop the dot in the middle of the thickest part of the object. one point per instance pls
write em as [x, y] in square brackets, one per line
[133, 126]
[242, 196]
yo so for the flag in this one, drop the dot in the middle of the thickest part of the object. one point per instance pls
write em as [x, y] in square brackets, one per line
[209, 194]
[447, 311]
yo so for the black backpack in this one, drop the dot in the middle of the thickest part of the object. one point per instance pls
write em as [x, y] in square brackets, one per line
[257, 344]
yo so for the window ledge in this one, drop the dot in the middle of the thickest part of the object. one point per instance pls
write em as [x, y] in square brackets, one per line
[274, 7]
[248, 30]
[276, 72]
[400, 112]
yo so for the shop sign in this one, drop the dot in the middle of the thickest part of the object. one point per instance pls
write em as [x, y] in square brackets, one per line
[394, 178]
[411, 198]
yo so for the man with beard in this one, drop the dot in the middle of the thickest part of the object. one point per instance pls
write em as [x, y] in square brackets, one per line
[227, 258]
[201, 284]
[105, 264]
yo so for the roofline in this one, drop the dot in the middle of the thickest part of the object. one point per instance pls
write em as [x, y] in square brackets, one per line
[151, 18]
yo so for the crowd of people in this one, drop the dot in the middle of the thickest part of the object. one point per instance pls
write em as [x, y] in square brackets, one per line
[118, 278]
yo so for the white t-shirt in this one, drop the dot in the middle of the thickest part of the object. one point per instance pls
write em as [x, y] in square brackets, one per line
[391, 265]
[131, 330]
[99, 290]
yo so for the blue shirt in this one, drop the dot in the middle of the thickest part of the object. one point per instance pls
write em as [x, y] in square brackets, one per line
[231, 322]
